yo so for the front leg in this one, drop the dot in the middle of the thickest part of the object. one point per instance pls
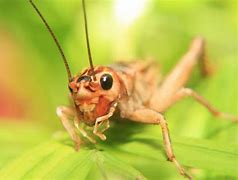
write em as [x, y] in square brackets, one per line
[100, 121]
[152, 117]
[66, 114]
[83, 132]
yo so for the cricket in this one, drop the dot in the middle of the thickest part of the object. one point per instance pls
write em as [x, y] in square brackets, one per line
[131, 88]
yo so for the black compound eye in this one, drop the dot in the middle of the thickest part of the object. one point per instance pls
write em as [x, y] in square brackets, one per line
[106, 81]
[70, 89]
[85, 78]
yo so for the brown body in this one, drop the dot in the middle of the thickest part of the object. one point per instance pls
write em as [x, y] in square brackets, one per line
[140, 80]
[133, 85]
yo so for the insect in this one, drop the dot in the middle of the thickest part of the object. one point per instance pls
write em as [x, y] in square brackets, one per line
[132, 88]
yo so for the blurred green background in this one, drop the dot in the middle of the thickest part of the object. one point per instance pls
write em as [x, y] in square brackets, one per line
[33, 79]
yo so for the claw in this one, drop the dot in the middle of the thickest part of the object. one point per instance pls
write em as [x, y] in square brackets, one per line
[92, 140]
[186, 175]
[101, 136]
[180, 168]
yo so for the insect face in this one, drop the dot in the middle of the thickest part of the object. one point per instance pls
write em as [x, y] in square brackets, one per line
[93, 96]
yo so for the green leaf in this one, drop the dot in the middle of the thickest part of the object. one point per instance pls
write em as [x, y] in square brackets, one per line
[138, 157]
[55, 160]
[16, 138]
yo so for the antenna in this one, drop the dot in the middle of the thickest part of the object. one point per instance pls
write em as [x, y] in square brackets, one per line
[55, 39]
[87, 38]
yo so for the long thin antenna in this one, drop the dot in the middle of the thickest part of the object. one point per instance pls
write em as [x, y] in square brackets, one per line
[55, 39]
[87, 37]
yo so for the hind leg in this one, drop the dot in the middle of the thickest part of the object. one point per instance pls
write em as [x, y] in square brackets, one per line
[187, 92]
[179, 76]
[149, 116]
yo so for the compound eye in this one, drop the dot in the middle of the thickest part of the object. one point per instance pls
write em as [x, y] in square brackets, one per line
[106, 81]
[70, 89]
[85, 78]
